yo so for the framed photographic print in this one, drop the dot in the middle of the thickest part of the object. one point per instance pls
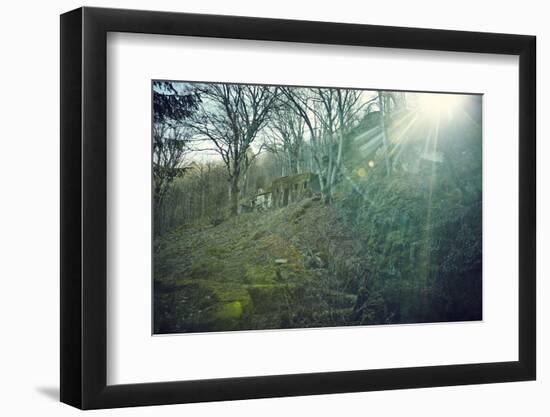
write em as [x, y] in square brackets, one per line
[257, 208]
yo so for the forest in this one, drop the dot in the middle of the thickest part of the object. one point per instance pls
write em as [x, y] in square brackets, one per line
[281, 207]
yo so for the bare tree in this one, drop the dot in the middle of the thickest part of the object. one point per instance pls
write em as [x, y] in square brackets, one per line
[348, 106]
[170, 146]
[230, 117]
[302, 102]
[328, 114]
[171, 107]
[286, 138]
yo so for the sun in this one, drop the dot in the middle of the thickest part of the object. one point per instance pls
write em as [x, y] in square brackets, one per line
[437, 104]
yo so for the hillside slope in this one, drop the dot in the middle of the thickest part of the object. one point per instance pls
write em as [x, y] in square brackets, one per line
[274, 269]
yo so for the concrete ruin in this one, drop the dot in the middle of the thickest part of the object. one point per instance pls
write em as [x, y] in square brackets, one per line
[282, 192]
[286, 190]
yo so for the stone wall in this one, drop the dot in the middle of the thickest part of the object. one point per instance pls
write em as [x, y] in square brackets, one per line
[283, 191]
[293, 188]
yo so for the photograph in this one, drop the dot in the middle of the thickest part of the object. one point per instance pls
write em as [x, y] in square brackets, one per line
[290, 207]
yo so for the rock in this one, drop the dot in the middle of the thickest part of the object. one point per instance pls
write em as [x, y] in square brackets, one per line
[281, 261]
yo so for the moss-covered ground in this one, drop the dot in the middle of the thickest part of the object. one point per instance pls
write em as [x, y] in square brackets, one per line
[254, 271]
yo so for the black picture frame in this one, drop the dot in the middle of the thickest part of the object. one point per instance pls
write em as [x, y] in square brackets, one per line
[84, 207]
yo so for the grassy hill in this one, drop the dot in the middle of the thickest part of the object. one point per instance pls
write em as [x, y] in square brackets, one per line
[274, 269]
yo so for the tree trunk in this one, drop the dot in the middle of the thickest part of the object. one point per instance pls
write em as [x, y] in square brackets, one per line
[203, 201]
[293, 163]
[330, 168]
[337, 165]
[234, 195]
[383, 128]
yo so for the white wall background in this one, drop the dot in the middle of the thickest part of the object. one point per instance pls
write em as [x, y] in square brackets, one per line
[29, 237]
